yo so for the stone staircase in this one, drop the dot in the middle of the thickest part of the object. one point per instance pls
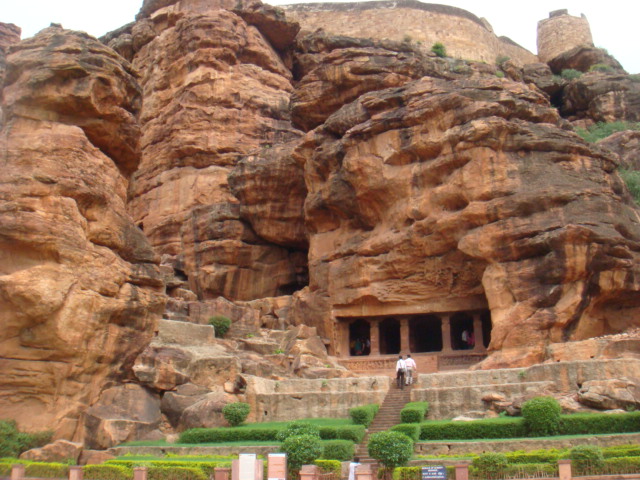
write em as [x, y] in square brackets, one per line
[388, 415]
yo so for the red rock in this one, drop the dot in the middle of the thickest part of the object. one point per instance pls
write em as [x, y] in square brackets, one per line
[582, 58]
[627, 145]
[58, 451]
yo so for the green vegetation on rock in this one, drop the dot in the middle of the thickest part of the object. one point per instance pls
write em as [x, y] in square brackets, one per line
[14, 442]
[604, 129]
[439, 49]
[220, 324]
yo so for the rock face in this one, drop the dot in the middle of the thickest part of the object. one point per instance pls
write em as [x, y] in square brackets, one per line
[9, 35]
[214, 92]
[410, 203]
[80, 290]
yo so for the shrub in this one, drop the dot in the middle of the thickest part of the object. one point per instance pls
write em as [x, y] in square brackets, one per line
[46, 470]
[220, 324]
[594, 423]
[570, 74]
[175, 473]
[622, 465]
[14, 442]
[600, 67]
[502, 59]
[411, 430]
[106, 472]
[488, 428]
[301, 450]
[632, 180]
[532, 470]
[635, 77]
[542, 416]
[236, 413]
[338, 450]
[621, 451]
[602, 130]
[414, 412]
[534, 456]
[586, 457]
[355, 433]
[439, 49]
[415, 473]
[330, 466]
[490, 464]
[500, 74]
[207, 467]
[219, 435]
[392, 449]
[298, 428]
[364, 415]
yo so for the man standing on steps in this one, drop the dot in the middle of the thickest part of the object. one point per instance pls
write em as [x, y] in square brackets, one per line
[411, 367]
[352, 468]
[401, 368]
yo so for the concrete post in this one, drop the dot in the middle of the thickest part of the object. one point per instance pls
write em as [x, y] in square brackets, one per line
[446, 334]
[222, 473]
[364, 472]
[140, 473]
[17, 472]
[404, 336]
[462, 471]
[477, 333]
[374, 335]
[564, 469]
[309, 472]
[75, 473]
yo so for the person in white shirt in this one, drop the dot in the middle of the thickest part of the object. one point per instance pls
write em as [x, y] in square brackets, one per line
[411, 367]
[352, 468]
[401, 368]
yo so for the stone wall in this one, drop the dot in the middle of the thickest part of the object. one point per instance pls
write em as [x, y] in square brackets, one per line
[560, 33]
[463, 34]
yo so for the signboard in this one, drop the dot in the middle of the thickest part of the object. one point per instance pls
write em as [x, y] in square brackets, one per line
[277, 466]
[435, 472]
[247, 466]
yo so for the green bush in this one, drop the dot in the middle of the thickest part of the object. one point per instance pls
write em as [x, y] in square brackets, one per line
[600, 67]
[595, 423]
[415, 473]
[414, 412]
[176, 473]
[622, 465]
[586, 458]
[301, 450]
[570, 74]
[502, 59]
[355, 433]
[632, 180]
[602, 130]
[106, 472]
[392, 449]
[220, 325]
[439, 49]
[490, 464]
[236, 413]
[534, 456]
[298, 428]
[46, 470]
[14, 442]
[330, 466]
[364, 415]
[621, 451]
[532, 470]
[207, 467]
[338, 450]
[220, 435]
[411, 430]
[488, 428]
[542, 416]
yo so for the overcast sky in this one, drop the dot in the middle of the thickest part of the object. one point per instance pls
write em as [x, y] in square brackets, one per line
[613, 22]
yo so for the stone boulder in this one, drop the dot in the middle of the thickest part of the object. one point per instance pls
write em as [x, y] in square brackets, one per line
[542, 77]
[582, 58]
[9, 35]
[439, 195]
[627, 145]
[80, 290]
[94, 457]
[618, 393]
[58, 451]
[123, 413]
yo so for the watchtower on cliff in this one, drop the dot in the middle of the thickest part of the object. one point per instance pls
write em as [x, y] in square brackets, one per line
[560, 33]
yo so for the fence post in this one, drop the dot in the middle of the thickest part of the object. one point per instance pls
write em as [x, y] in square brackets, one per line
[564, 469]
[17, 472]
[140, 473]
[222, 473]
[75, 473]
[462, 471]
[309, 472]
[364, 472]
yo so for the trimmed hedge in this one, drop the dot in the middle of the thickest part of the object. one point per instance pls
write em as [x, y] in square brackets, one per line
[236, 413]
[415, 473]
[330, 466]
[391, 449]
[204, 466]
[414, 412]
[342, 450]
[106, 472]
[542, 416]
[298, 428]
[46, 470]
[621, 451]
[486, 428]
[535, 456]
[355, 433]
[365, 414]
[622, 465]
[593, 423]
[176, 473]
[411, 430]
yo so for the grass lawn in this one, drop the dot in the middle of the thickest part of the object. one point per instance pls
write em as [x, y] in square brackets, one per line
[163, 443]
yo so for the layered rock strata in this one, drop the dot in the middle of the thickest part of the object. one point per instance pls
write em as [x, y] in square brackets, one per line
[80, 289]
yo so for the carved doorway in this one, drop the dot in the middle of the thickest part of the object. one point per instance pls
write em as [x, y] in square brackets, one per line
[359, 338]
[462, 333]
[425, 334]
[389, 336]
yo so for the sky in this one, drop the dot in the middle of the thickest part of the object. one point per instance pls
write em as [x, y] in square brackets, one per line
[613, 22]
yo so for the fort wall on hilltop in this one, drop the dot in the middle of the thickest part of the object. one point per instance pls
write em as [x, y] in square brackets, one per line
[560, 33]
[463, 34]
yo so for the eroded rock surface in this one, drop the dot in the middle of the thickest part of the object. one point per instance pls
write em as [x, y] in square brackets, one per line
[80, 290]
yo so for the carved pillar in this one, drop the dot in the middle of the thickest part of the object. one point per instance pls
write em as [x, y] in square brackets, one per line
[140, 473]
[404, 336]
[477, 333]
[462, 471]
[446, 334]
[343, 335]
[17, 472]
[374, 336]
[75, 473]
[564, 469]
